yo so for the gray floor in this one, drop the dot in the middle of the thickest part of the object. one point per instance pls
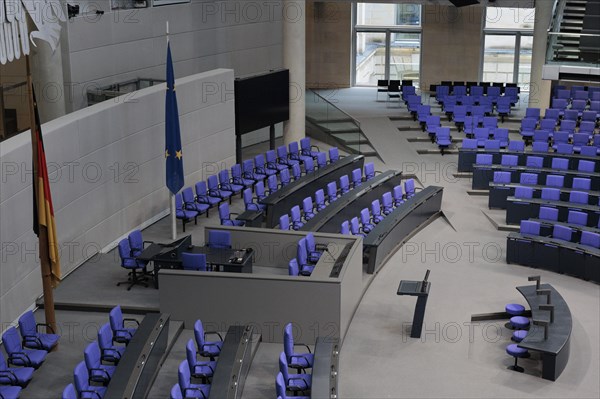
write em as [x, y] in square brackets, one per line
[454, 359]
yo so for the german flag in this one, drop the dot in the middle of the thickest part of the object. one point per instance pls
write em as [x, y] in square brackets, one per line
[43, 212]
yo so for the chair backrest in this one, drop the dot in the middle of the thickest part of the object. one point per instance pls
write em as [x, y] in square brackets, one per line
[483, 159]
[523, 192]
[433, 121]
[516, 146]
[356, 177]
[260, 190]
[502, 177]
[236, 172]
[540, 146]
[296, 215]
[344, 183]
[409, 187]
[224, 211]
[293, 269]
[309, 165]
[585, 129]
[176, 392]
[334, 154]
[550, 194]
[482, 133]
[199, 333]
[201, 191]
[528, 178]
[284, 222]
[270, 156]
[490, 121]
[124, 250]
[248, 167]
[386, 200]
[552, 114]
[562, 232]
[492, 145]
[578, 197]
[105, 337]
[576, 217]
[178, 202]
[280, 387]
[136, 241]
[534, 162]
[345, 227]
[115, 317]
[219, 239]
[530, 227]
[305, 145]
[190, 353]
[589, 151]
[555, 181]
[27, 325]
[582, 183]
[332, 191]
[284, 177]
[560, 163]
[296, 171]
[272, 183]
[213, 183]
[565, 149]
[398, 192]
[547, 213]
[541, 135]
[248, 200]
[320, 197]
[469, 144]
[376, 208]
[190, 261]
[579, 104]
[586, 166]
[293, 148]
[369, 170]
[568, 125]
[92, 356]
[224, 177]
[548, 125]
[590, 238]
[501, 133]
[588, 116]
[11, 341]
[311, 245]
[365, 216]
[307, 205]
[70, 392]
[302, 252]
[528, 124]
[184, 375]
[288, 342]
[321, 159]
[354, 226]
[81, 378]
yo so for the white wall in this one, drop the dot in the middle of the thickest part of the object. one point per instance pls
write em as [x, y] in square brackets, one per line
[96, 199]
[245, 36]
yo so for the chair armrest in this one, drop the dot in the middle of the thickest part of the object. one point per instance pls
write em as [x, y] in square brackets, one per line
[32, 338]
[205, 365]
[10, 375]
[299, 379]
[301, 344]
[102, 371]
[45, 325]
[124, 331]
[213, 333]
[202, 199]
[129, 319]
[193, 389]
[21, 356]
[115, 354]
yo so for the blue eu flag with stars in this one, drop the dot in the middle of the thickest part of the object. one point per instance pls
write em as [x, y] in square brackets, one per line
[173, 152]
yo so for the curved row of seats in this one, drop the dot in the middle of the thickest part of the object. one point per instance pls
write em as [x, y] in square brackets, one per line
[91, 376]
[199, 364]
[562, 232]
[588, 93]
[298, 385]
[27, 350]
[577, 221]
[297, 217]
[379, 211]
[534, 161]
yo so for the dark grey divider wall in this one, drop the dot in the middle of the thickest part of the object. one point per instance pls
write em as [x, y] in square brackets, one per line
[316, 305]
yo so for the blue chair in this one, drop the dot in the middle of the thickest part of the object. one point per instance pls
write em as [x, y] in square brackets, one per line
[321, 160]
[501, 134]
[237, 177]
[334, 155]
[121, 334]
[581, 183]
[225, 216]
[272, 184]
[518, 146]
[188, 389]
[176, 392]
[344, 184]
[509, 160]
[261, 166]
[502, 177]
[33, 339]
[296, 360]
[369, 171]
[564, 149]
[308, 208]
[183, 214]
[530, 227]
[527, 129]
[296, 218]
[281, 389]
[331, 192]
[191, 261]
[109, 352]
[503, 107]
[519, 322]
[481, 134]
[249, 171]
[294, 152]
[376, 211]
[345, 228]
[198, 369]
[586, 166]
[203, 200]
[284, 222]
[523, 192]
[409, 188]
[228, 184]
[518, 335]
[560, 164]
[590, 239]
[296, 172]
[296, 383]
[14, 375]
[432, 123]
[137, 243]
[249, 202]
[209, 349]
[515, 351]
[459, 116]
[215, 190]
[550, 214]
[283, 158]
[554, 181]
[387, 203]
[532, 113]
[469, 144]
[314, 254]
[550, 194]
[355, 227]
[81, 379]
[68, 393]
[306, 268]
[548, 125]
[534, 162]
[577, 217]
[514, 309]
[97, 371]
[423, 111]
[219, 239]
[398, 195]
[588, 151]
[293, 269]
[320, 200]
[272, 163]
[365, 220]
[133, 265]
[578, 197]
[307, 149]
[356, 177]
[284, 177]
[443, 139]
[309, 165]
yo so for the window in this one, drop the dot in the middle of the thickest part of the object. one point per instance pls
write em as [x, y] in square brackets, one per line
[387, 42]
[508, 45]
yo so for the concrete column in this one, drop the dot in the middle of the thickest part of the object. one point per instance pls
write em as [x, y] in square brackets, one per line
[540, 90]
[47, 71]
[294, 59]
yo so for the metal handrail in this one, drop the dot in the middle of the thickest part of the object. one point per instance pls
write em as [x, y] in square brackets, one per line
[330, 103]
[571, 34]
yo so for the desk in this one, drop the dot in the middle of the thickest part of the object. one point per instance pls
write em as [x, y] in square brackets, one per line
[281, 201]
[325, 368]
[555, 350]
[251, 218]
[141, 362]
[415, 288]
[518, 209]
[500, 191]
[234, 363]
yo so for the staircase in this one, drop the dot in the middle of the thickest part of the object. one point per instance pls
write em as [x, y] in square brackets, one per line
[327, 123]
[567, 44]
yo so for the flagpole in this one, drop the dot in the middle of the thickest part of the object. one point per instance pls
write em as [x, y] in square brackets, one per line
[171, 195]
[44, 250]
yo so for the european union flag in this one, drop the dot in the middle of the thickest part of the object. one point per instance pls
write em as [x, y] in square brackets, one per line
[173, 152]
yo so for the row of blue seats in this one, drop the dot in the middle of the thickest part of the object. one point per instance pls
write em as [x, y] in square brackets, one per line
[556, 115]
[379, 211]
[576, 92]
[195, 367]
[91, 376]
[575, 219]
[308, 254]
[534, 162]
[562, 232]
[532, 179]
[27, 352]
[476, 94]
[309, 210]
[299, 384]
[530, 126]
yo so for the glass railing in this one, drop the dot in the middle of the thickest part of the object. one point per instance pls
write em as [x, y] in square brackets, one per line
[330, 124]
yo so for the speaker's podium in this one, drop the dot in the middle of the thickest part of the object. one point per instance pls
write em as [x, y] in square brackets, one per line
[420, 289]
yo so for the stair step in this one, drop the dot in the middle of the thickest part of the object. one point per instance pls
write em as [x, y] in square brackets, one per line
[335, 127]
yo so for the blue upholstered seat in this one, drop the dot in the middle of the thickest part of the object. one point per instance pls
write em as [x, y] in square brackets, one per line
[365, 221]
[296, 382]
[225, 216]
[109, 352]
[219, 239]
[98, 372]
[191, 261]
[518, 335]
[296, 218]
[198, 368]
[308, 208]
[210, 349]
[514, 309]
[376, 211]
[519, 322]
[14, 375]
[387, 203]
[82, 385]
[31, 337]
[121, 334]
[284, 222]
[188, 389]
[280, 389]
[517, 352]
[296, 360]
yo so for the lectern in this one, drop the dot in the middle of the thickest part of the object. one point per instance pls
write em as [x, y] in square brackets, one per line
[420, 289]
